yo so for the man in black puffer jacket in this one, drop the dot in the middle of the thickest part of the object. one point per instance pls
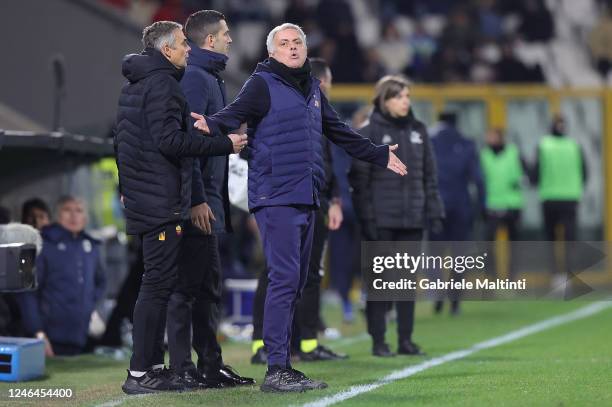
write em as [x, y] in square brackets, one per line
[154, 144]
[391, 209]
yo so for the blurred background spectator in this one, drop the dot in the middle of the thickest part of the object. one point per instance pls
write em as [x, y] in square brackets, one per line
[70, 283]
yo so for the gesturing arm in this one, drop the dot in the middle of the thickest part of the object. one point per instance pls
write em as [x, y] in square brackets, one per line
[163, 114]
[251, 104]
[358, 147]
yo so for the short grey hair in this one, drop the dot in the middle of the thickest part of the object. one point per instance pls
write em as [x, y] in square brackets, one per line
[275, 30]
[159, 34]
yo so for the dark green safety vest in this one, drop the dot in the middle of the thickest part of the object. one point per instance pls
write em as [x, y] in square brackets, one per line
[560, 169]
[503, 174]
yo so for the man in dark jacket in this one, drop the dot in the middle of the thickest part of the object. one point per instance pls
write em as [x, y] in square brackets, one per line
[287, 115]
[154, 144]
[197, 296]
[70, 283]
[458, 168]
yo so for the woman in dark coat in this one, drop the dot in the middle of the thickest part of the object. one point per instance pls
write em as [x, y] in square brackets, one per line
[396, 208]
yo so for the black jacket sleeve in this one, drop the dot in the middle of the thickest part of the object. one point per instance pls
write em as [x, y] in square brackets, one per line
[198, 193]
[163, 114]
[346, 138]
[434, 208]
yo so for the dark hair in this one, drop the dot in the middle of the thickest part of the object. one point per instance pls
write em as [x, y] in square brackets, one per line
[31, 204]
[5, 215]
[388, 87]
[201, 24]
[449, 118]
[318, 67]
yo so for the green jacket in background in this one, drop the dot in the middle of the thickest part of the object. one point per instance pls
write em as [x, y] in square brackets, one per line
[560, 169]
[503, 173]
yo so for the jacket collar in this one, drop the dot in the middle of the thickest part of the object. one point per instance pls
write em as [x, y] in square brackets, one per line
[213, 62]
[56, 232]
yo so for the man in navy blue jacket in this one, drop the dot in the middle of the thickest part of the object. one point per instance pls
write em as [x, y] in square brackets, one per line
[458, 167]
[287, 115]
[198, 292]
[155, 143]
[70, 283]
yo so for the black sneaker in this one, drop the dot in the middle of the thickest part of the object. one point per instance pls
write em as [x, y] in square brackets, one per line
[382, 350]
[153, 381]
[321, 353]
[260, 357]
[228, 377]
[308, 382]
[281, 380]
[407, 347]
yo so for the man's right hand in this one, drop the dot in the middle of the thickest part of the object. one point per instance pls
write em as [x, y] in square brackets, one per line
[239, 141]
[201, 216]
[395, 164]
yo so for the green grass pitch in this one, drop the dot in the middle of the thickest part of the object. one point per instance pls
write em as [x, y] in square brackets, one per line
[567, 365]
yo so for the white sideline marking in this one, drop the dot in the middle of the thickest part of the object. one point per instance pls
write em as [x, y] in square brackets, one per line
[353, 391]
[121, 400]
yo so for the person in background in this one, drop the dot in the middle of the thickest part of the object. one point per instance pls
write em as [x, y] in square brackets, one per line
[71, 281]
[347, 239]
[35, 212]
[503, 170]
[393, 208]
[458, 168]
[560, 172]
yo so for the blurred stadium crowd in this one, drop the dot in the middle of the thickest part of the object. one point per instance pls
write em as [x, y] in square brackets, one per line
[482, 41]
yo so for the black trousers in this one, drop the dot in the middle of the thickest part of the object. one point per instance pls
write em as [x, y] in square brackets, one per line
[196, 303]
[161, 250]
[510, 219]
[307, 315]
[376, 310]
[560, 213]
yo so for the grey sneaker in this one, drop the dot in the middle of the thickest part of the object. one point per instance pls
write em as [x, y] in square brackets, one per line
[281, 380]
[309, 383]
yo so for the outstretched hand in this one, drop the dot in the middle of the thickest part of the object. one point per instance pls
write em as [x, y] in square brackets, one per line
[200, 123]
[395, 164]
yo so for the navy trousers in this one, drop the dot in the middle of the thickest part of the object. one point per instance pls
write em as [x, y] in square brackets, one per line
[286, 234]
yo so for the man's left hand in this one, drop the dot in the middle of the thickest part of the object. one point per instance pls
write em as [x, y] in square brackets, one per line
[334, 214]
[200, 123]
[395, 164]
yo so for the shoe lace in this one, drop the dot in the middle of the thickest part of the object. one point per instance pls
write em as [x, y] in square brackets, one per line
[298, 373]
[291, 375]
